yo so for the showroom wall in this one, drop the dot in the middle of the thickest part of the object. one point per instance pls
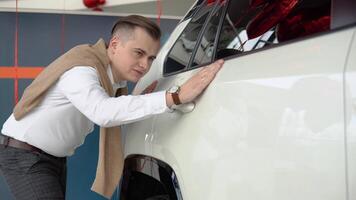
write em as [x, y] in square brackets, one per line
[42, 38]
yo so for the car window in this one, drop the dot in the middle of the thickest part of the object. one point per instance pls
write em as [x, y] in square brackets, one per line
[254, 24]
[204, 51]
[343, 13]
[194, 9]
[180, 54]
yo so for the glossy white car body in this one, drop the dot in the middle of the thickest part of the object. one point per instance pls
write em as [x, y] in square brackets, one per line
[275, 124]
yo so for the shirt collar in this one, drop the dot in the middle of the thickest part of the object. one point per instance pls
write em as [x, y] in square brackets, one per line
[120, 84]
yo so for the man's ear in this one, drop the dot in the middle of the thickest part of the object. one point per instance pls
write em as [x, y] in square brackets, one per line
[114, 42]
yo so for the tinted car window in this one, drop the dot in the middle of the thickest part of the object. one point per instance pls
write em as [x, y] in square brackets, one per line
[181, 52]
[205, 49]
[195, 8]
[254, 24]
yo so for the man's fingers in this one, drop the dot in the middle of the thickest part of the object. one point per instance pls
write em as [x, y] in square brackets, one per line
[198, 83]
[207, 74]
[217, 65]
[213, 68]
[220, 61]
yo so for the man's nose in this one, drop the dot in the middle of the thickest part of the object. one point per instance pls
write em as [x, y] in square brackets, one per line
[145, 63]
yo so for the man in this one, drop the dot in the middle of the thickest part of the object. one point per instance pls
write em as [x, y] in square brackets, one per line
[61, 105]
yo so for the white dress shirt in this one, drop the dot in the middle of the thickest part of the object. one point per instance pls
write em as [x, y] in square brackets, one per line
[71, 107]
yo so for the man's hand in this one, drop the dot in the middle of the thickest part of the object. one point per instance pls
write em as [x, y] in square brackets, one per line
[193, 87]
[150, 88]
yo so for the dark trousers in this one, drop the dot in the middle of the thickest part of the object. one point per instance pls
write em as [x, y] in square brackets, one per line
[33, 175]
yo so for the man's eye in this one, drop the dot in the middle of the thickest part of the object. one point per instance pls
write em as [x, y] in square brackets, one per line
[138, 53]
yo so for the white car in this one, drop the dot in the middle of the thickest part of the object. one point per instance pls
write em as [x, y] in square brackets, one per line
[277, 123]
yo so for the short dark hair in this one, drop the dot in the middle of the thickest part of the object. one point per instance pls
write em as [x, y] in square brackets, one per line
[132, 21]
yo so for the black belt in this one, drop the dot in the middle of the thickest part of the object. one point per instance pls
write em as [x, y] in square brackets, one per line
[11, 142]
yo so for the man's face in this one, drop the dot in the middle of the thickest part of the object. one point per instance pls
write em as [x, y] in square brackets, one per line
[131, 58]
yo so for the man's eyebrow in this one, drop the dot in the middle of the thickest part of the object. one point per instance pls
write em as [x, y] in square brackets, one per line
[143, 51]
[139, 49]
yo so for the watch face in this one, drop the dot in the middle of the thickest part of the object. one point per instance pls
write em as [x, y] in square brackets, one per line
[174, 89]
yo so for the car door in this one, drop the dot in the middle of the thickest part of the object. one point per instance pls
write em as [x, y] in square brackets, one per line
[270, 126]
[350, 115]
[272, 123]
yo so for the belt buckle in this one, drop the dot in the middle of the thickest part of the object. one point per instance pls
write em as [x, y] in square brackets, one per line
[4, 140]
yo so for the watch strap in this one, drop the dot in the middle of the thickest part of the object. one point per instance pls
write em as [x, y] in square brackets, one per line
[175, 98]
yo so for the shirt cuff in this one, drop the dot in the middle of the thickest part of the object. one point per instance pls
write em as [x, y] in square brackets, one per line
[159, 103]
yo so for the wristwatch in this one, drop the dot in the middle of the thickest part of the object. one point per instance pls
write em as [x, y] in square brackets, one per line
[174, 91]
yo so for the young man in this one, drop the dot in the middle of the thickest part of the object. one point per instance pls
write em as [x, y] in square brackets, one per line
[61, 105]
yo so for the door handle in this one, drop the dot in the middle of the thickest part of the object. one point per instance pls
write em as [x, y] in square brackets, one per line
[184, 108]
